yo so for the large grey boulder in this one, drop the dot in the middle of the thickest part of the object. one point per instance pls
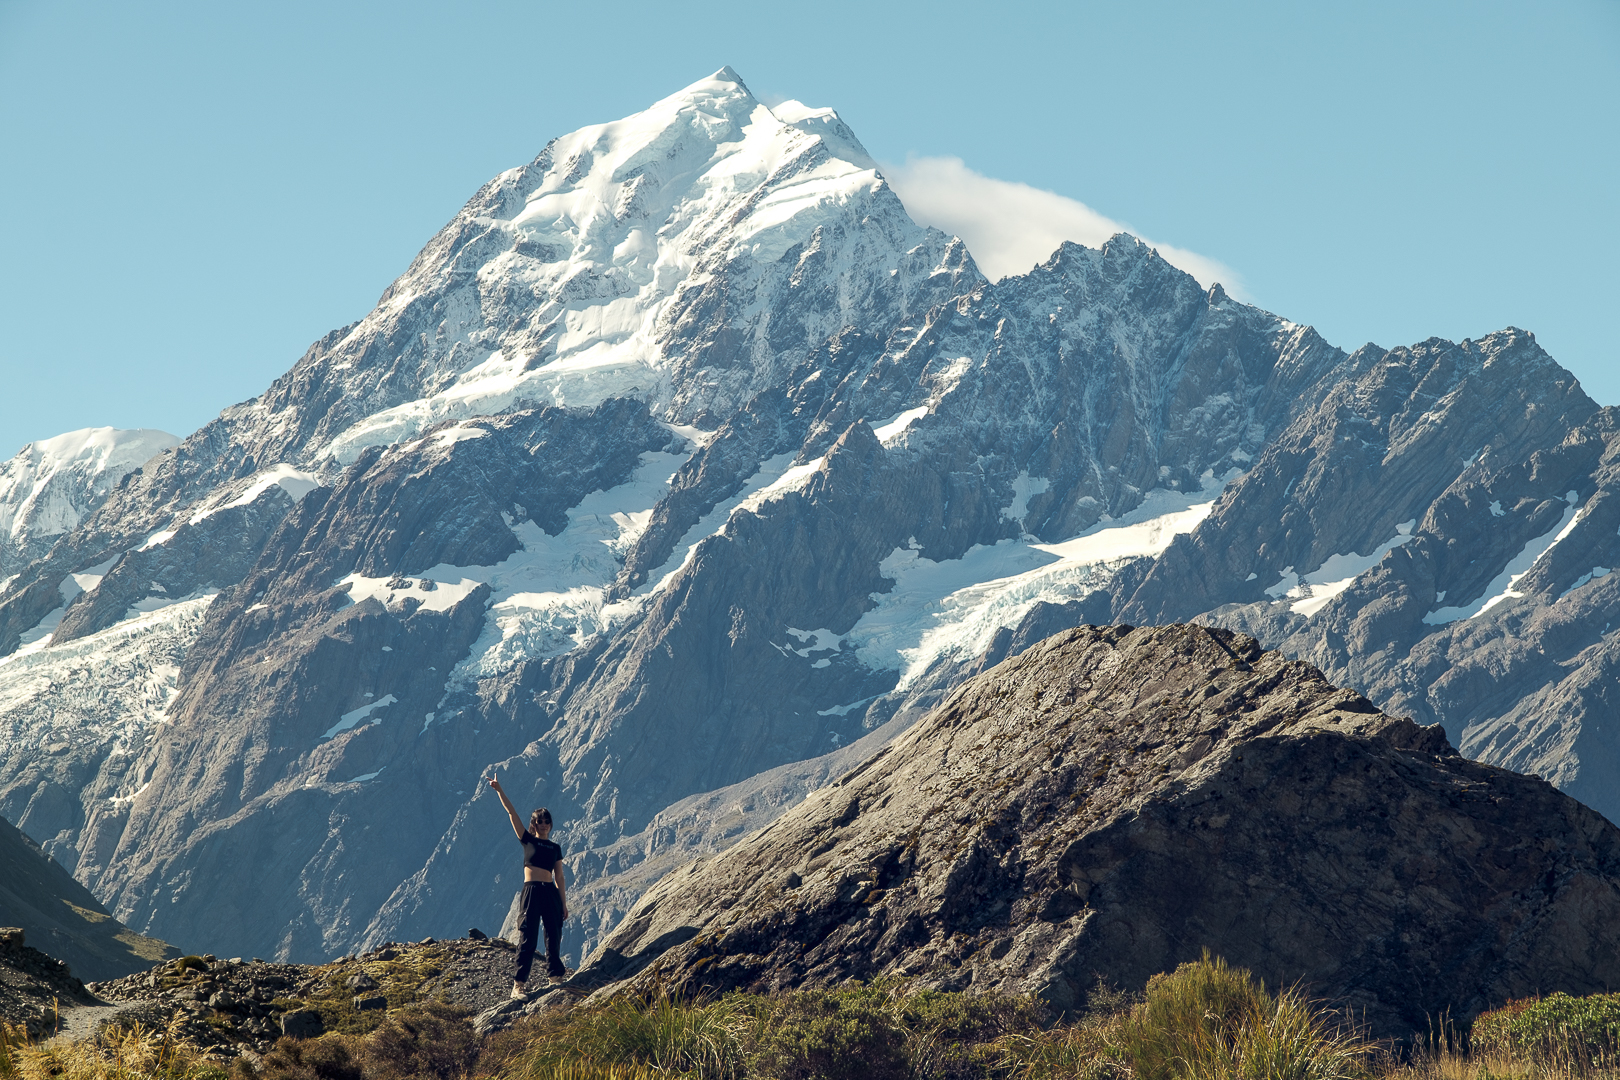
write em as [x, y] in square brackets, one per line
[1114, 801]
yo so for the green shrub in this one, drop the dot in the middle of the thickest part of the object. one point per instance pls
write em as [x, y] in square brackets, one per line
[956, 1036]
[330, 1057]
[829, 1035]
[424, 1042]
[431, 1042]
[1582, 1031]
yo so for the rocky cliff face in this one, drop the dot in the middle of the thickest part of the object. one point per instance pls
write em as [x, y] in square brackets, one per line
[682, 461]
[1113, 801]
[1482, 602]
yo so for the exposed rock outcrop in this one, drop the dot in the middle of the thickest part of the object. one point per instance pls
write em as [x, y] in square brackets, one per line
[238, 1007]
[1113, 801]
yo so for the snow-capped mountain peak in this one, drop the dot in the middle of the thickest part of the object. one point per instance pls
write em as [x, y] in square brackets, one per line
[829, 126]
[633, 237]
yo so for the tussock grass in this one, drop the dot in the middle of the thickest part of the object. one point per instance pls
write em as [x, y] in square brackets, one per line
[12, 1039]
[877, 1031]
[584, 1071]
[1087, 1050]
[662, 1033]
[1203, 1021]
[136, 1053]
[1206, 1019]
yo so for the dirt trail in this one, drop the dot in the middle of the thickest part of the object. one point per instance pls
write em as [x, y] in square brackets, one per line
[82, 1021]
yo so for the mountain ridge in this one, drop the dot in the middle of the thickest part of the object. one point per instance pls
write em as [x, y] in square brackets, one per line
[682, 455]
[63, 919]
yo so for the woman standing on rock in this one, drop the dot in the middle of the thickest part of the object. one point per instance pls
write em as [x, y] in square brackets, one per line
[545, 893]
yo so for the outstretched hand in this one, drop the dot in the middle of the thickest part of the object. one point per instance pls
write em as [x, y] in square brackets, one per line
[494, 782]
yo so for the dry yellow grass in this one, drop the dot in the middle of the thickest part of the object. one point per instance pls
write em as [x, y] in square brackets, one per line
[134, 1054]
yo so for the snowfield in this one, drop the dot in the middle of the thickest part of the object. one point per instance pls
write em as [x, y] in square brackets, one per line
[952, 609]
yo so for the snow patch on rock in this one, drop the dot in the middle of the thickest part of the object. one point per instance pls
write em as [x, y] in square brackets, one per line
[295, 482]
[751, 496]
[1501, 587]
[350, 719]
[1311, 593]
[890, 430]
[1024, 487]
[1594, 573]
[439, 594]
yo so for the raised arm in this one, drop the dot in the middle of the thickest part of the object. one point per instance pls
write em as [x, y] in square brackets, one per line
[517, 822]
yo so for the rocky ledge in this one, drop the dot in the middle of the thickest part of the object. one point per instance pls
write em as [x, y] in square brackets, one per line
[1116, 800]
[239, 1007]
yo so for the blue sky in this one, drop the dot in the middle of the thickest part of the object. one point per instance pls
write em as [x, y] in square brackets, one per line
[194, 192]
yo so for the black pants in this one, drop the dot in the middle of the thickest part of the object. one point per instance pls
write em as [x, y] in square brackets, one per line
[540, 902]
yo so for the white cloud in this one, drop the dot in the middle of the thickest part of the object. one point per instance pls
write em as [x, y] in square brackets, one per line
[1011, 227]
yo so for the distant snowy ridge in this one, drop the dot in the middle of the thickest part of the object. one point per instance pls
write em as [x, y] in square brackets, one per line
[51, 484]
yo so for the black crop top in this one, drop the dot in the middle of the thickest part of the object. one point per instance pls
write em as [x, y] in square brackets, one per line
[540, 854]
